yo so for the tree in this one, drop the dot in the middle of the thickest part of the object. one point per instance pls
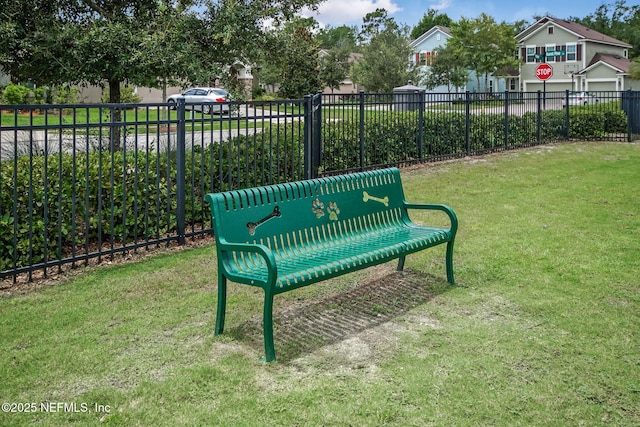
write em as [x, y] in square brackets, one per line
[386, 54]
[169, 54]
[483, 45]
[298, 59]
[430, 20]
[140, 42]
[634, 72]
[447, 69]
[136, 41]
[334, 67]
[342, 36]
[616, 20]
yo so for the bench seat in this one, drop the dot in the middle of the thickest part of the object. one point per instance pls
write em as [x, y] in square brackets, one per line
[303, 264]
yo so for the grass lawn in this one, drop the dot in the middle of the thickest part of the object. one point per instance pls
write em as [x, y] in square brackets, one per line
[146, 119]
[543, 328]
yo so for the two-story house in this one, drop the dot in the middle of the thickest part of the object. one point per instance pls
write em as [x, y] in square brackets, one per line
[424, 51]
[582, 59]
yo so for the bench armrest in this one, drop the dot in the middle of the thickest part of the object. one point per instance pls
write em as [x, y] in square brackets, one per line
[444, 208]
[262, 250]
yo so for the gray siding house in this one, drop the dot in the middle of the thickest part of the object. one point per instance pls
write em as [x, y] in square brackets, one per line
[584, 59]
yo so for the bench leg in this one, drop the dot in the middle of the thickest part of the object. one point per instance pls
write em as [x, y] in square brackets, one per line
[450, 263]
[401, 263]
[269, 348]
[222, 303]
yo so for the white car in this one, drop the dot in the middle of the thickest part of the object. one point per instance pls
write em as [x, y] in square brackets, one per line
[580, 98]
[209, 100]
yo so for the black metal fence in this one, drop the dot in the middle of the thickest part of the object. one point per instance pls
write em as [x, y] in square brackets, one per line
[83, 182]
[372, 130]
[90, 182]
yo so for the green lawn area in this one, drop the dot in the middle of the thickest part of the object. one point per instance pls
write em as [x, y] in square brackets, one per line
[542, 328]
[144, 118]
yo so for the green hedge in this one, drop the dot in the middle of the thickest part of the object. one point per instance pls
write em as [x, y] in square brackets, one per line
[393, 138]
[132, 197]
[16, 94]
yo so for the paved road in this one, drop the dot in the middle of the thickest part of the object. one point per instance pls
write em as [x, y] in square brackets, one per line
[36, 142]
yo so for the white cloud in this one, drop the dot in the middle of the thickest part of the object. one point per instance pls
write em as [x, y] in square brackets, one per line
[440, 5]
[341, 12]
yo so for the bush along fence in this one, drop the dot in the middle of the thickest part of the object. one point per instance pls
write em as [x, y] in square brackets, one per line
[82, 182]
[368, 130]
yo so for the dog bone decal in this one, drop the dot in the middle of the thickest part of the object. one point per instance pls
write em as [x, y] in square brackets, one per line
[366, 197]
[253, 225]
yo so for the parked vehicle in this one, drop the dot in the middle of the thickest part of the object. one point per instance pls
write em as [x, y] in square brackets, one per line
[580, 98]
[209, 100]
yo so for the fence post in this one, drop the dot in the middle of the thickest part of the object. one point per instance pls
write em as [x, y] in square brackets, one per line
[361, 130]
[422, 95]
[308, 138]
[467, 123]
[180, 172]
[539, 118]
[316, 137]
[506, 118]
[566, 113]
[312, 135]
[631, 106]
[626, 100]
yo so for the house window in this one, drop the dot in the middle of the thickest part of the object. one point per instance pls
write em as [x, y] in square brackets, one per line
[438, 37]
[571, 52]
[426, 58]
[531, 54]
[549, 30]
[430, 57]
[512, 84]
[550, 48]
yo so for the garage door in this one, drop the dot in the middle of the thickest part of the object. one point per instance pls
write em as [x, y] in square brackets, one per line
[601, 86]
[551, 87]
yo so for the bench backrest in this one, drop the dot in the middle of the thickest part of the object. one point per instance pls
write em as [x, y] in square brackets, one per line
[307, 210]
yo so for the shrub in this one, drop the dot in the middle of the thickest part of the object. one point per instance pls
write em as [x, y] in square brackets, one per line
[257, 92]
[127, 95]
[444, 134]
[40, 95]
[393, 138]
[553, 125]
[129, 196]
[615, 121]
[16, 94]
[64, 94]
[586, 124]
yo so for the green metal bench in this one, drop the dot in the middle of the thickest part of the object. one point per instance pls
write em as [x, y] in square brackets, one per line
[285, 236]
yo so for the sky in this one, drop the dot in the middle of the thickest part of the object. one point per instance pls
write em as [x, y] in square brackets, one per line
[350, 12]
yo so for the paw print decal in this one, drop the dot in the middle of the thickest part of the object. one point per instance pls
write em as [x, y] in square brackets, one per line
[317, 207]
[333, 210]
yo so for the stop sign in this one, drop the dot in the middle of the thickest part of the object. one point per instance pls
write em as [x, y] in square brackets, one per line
[544, 72]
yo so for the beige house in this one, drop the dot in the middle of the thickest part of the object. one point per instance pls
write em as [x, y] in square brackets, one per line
[582, 59]
[91, 94]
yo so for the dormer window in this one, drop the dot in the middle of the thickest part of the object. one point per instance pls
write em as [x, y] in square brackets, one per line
[550, 30]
